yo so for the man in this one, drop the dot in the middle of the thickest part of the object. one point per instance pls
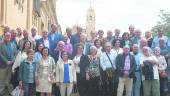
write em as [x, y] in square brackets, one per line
[109, 36]
[137, 37]
[150, 75]
[144, 43]
[69, 34]
[6, 29]
[13, 37]
[155, 42]
[83, 40]
[54, 37]
[34, 35]
[19, 34]
[137, 81]
[107, 61]
[44, 39]
[76, 38]
[26, 38]
[132, 31]
[125, 64]
[8, 52]
[117, 34]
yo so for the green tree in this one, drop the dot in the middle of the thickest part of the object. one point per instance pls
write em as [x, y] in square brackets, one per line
[164, 22]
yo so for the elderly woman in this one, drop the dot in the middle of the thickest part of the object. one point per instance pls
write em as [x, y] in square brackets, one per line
[27, 76]
[97, 44]
[45, 73]
[162, 72]
[65, 74]
[150, 75]
[93, 72]
[81, 64]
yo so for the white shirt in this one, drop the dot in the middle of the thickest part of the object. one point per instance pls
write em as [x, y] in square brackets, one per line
[104, 60]
[162, 63]
[155, 67]
[76, 60]
[46, 43]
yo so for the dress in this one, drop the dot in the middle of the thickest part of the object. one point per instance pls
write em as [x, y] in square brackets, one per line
[45, 68]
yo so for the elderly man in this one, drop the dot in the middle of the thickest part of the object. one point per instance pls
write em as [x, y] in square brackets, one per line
[117, 34]
[132, 31]
[8, 52]
[54, 37]
[26, 38]
[137, 37]
[155, 42]
[150, 75]
[126, 65]
[109, 36]
[107, 62]
[33, 34]
[137, 82]
[44, 39]
[6, 29]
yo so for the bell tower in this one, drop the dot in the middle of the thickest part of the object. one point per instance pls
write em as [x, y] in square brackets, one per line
[90, 21]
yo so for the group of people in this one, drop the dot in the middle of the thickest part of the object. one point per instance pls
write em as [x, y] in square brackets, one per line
[54, 64]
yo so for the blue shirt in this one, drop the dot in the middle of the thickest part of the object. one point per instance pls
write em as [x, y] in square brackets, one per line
[66, 73]
[137, 59]
[37, 56]
[155, 42]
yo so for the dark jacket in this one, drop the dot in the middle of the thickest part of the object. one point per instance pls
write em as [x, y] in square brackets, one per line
[148, 71]
[120, 61]
[84, 63]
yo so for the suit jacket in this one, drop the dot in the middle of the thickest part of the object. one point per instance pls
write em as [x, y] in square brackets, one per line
[53, 43]
[120, 61]
[41, 40]
[4, 55]
[60, 71]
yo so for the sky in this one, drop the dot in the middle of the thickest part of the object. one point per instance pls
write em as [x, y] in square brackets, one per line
[111, 14]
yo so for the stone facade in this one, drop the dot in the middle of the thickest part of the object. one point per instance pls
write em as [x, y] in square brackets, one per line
[27, 13]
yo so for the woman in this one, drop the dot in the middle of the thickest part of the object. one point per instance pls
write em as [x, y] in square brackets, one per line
[19, 58]
[65, 74]
[38, 55]
[150, 75]
[116, 46]
[67, 46]
[93, 72]
[21, 55]
[27, 71]
[162, 72]
[81, 64]
[125, 40]
[97, 44]
[45, 73]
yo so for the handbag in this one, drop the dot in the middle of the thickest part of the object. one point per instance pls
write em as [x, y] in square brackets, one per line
[17, 92]
[110, 72]
[163, 74]
[75, 91]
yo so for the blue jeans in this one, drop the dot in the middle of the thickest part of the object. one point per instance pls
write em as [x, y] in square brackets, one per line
[29, 89]
[137, 84]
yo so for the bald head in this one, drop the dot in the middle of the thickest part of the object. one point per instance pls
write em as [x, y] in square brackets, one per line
[126, 49]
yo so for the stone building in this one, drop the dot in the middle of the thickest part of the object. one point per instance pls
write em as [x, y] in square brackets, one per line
[27, 13]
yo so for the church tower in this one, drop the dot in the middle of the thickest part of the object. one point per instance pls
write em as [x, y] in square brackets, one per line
[90, 21]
